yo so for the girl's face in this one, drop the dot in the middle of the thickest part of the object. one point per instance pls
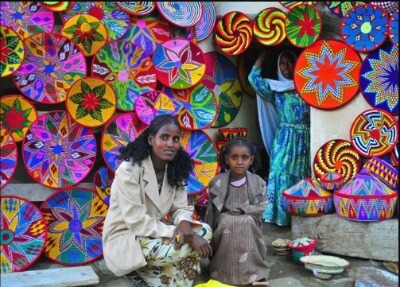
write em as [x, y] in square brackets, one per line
[165, 144]
[239, 158]
[286, 65]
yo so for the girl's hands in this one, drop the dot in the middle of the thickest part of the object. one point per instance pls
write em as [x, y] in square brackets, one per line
[201, 246]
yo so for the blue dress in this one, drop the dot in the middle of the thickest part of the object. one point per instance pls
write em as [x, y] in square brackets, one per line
[290, 154]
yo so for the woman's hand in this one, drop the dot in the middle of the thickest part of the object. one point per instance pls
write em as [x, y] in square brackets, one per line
[183, 234]
[261, 58]
[201, 246]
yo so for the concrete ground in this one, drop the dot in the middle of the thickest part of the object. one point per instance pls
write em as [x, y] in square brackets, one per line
[284, 272]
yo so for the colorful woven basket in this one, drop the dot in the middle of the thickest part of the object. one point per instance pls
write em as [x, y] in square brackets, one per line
[303, 25]
[26, 18]
[307, 198]
[179, 63]
[8, 156]
[74, 218]
[269, 27]
[205, 26]
[91, 101]
[48, 70]
[337, 155]
[16, 115]
[196, 108]
[23, 234]
[331, 180]
[181, 13]
[152, 104]
[57, 6]
[301, 247]
[379, 81]
[340, 8]
[114, 19]
[117, 133]
[12, 51]
[365, 198]
[203, 151]
[57, 151]
[102, 181]
[374, 132]
[383, 171]
[364, 27]
[233, 33]
[222, 79]
[147, 32]
[88, 32]
[129, 78]
[137, 8]
[327, 74]
[394, 28]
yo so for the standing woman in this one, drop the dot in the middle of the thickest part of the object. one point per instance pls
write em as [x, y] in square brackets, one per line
[149, 185]
[290, 150]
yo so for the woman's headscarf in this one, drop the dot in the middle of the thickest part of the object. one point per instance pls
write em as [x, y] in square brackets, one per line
[267, 113]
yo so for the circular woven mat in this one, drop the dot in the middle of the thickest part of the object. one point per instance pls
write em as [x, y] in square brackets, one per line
[389, 6]
[206, 25]
[181, 13]
[23, 234]
[269, 26]
[222, 78]
[87, 32]
[12, 51]
[114, 19]
[8, 156]
[16, 115]
[394, 28]
[179, 63]
[74, 218]
[153, 103]
[91, 101]
[117, 133]
[204, 153]
[26, 18]
[137, 8]
[303, 25]
[233, 33]
[102, 181]
[364, 27]
[58, 152]
[48, 70]
[379, 81]
[57, 6]
[374, 132]
[327, 74]
[339, 156]
[148, 33]
[196, 108]
[130, 78]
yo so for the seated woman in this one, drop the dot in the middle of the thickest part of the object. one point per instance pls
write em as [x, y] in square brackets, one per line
[149, 185]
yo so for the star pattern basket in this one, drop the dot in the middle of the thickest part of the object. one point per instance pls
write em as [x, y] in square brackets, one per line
[23, 234]
[74, 217]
